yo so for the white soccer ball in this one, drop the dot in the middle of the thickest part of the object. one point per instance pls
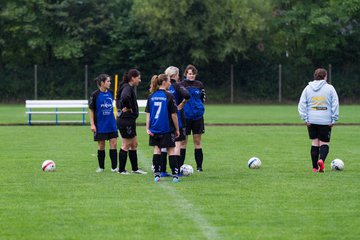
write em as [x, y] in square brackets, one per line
[254, 162]
[186, 170]
[48, 166]
[337, 165]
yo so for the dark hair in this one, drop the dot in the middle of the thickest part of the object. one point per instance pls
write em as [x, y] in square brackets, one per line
[157, 81]
[101, 78]
[130, 74]
[320, 74]
[192, 67]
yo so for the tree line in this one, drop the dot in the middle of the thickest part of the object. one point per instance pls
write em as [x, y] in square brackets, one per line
[253, 37]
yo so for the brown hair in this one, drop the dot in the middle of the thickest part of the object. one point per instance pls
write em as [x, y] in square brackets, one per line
[192, 67]
[130, 74]
[320, 74]
[156, 82]
[101, 78]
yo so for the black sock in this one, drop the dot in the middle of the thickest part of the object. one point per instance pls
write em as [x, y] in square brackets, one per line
[314, 152]
[156, 163]
[122, 160]
[133, 160]
[199, 157]
[182, 156]
[163, 161]
[101, 158]
[324, 150]
[113, 158]
[174, 165]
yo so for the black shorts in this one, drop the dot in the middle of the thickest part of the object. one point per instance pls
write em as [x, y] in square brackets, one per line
[105, 136]
[195, 126]
[127, 127]
[166, 140]
[322, 132]
[182, 136]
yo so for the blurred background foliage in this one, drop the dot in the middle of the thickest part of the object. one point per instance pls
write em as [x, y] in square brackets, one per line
[254, 37]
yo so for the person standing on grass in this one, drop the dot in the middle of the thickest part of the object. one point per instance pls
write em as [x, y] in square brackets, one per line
[194, 114]
[127, 113]
[162, 124]
[319, 108]
[181, 96]
[102, 121]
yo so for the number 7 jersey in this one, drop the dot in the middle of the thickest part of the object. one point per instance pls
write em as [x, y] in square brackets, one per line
[160, 105]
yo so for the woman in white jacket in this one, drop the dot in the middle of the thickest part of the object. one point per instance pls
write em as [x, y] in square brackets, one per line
[319, 108]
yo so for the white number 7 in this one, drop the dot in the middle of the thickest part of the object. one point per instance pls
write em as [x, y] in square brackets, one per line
[157, 104]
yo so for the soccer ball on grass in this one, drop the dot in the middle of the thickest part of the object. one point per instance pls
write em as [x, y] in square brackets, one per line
[186, 170]
[337, 165]
[48, 166]
[254, 163]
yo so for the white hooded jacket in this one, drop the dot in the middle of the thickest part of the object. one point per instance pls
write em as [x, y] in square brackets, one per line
[319, 103]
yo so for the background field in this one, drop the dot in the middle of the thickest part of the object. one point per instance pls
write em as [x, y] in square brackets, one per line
[282, 200]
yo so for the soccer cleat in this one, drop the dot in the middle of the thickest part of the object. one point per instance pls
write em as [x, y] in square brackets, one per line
[114, 169]
[139, 171]
[199, 169]
[157, 178]
[124, 172]
[315, 170]
[321, 166]
[99, 170]
[175, 179]
[164, 174]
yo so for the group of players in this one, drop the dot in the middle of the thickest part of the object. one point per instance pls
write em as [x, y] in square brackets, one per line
[174, 110]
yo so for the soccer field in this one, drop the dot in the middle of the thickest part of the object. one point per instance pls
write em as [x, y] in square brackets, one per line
[281, 200]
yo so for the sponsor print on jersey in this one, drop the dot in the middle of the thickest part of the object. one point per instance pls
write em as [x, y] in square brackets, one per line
[318, 103]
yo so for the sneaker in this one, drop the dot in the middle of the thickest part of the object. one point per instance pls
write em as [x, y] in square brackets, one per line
[124, 172]
[164, 174]
[199, 169]
[315, 170]
[157, 178]
[114, 169]
[99, 170]
[321, 166]
[176, 179]
[139, 171]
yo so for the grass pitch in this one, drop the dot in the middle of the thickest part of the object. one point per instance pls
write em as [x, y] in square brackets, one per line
[281, 200]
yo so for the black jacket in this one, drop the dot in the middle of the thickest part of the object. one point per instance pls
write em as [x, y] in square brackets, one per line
[126, 97]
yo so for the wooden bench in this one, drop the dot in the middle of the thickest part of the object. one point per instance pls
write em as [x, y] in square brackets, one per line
[37, 107]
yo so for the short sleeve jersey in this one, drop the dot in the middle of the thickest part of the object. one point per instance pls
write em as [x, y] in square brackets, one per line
[102, 105]
[161, 104]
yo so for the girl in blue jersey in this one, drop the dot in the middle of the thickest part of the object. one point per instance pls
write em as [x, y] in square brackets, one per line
[102, 121]
[162, 123]
[194, 114]
[319, 108]
[128, 112]
[181, 96]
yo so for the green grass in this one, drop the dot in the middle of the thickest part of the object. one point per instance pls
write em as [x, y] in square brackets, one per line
[243, 114]
[281, 200]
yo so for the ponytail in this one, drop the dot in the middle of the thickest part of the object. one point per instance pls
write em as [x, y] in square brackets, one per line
[157, 81]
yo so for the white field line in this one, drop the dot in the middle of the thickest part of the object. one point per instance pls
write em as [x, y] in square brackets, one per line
[210, 232]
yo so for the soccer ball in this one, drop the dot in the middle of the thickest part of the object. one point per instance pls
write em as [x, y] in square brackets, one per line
[48, 166]
[337, 165]
[186, 170]
[254, 162]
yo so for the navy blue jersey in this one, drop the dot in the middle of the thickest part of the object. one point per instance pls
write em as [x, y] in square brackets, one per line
[161, 104]
[102, 105]
[194, 107]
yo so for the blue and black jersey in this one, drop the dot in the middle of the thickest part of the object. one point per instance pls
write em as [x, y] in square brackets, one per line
[161, 104]
[180, 93]
[102, 105]
[194, 107]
